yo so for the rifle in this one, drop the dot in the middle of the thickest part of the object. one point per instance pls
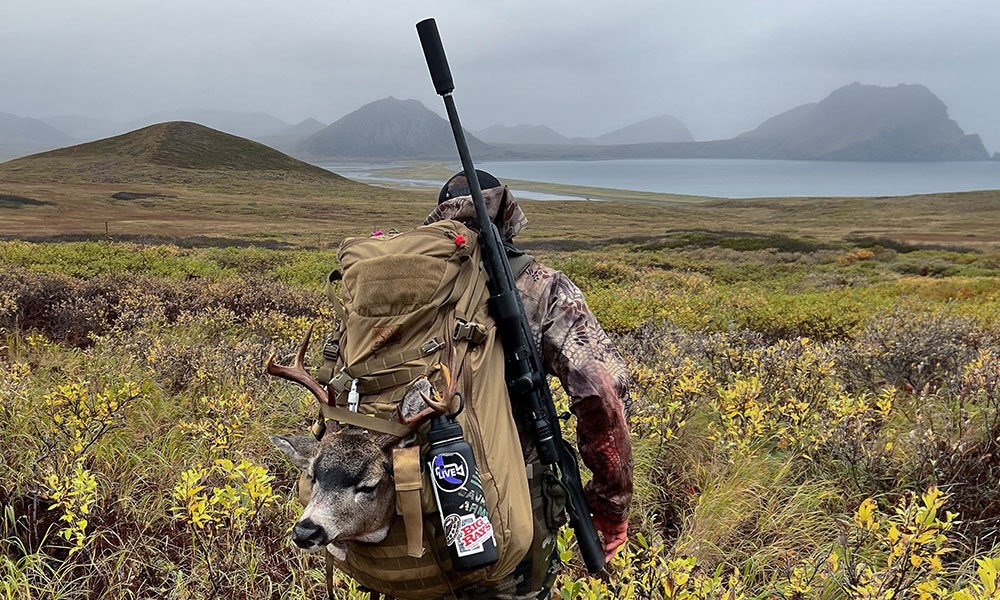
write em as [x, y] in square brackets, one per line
[525, 372]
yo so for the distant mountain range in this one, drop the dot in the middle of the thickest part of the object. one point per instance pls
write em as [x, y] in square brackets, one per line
[22, 135]
[525, 134]
[252, 125]
[856, 122]
[289, 139]
[20, 139]
[173, 152]
[85, 129]
[866, 122]
[390, 129]
[658, 129]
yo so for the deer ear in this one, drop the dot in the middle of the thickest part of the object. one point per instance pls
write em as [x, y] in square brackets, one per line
[298, 448]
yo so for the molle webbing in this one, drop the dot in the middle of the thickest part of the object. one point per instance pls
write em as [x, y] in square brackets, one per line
[392, 371]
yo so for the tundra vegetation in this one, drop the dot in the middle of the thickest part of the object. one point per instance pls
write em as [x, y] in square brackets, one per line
[811, 419]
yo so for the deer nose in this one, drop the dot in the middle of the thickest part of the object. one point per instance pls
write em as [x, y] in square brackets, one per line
[309, 534]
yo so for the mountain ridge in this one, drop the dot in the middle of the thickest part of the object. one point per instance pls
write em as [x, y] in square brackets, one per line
[664, 128]
[25, 135]
[393, 129]
[853, 123]
[524, 134]
[868, 122]
[246, 124]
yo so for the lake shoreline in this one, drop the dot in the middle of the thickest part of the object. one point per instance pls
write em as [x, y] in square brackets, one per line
[687, 181]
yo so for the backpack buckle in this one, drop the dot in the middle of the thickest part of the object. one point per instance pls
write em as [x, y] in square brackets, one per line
[470, 331]
[341, 383]
[331, 348]
[431, 346]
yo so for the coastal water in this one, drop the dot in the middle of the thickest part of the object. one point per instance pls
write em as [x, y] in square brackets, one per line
[373, 173]
[736, 178]
[729, 178]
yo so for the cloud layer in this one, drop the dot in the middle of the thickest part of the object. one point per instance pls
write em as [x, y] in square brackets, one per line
[581, 67]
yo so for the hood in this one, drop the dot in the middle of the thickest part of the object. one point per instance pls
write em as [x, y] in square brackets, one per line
[461, 209]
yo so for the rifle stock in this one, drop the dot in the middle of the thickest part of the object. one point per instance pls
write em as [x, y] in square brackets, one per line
[525, 372]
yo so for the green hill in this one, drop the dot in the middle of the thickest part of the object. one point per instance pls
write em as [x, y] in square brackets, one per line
[174, 152]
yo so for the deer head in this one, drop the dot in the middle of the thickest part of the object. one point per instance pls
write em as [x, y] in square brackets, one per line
[349, 468]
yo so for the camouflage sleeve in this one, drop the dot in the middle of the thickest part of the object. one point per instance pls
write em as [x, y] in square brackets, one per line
[577, 350]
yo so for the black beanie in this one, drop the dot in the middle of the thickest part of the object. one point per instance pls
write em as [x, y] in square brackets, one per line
[458, 185]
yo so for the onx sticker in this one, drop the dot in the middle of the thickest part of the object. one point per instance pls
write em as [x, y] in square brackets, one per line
[450, 471]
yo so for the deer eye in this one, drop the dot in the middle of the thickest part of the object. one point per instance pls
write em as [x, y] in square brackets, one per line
[365, 489]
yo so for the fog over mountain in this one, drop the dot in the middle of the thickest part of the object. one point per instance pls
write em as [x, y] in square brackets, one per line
[522, 134]
[853, 123]
[867, 122]
[21, 135]
[84, 128]
[582, 68]
[658, 129]
[390, 128]
[251, 125]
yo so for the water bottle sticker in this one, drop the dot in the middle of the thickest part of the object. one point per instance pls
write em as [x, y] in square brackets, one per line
[472, 534]
[452, 524]
[472, 494]
[451, 472]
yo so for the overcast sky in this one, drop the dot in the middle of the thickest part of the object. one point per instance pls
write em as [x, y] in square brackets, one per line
[582, 67]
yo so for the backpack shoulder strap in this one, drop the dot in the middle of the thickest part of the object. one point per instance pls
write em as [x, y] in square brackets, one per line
[518, 259]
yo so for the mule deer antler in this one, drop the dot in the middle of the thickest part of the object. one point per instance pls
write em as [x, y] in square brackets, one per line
[420, 403]
[297, 372]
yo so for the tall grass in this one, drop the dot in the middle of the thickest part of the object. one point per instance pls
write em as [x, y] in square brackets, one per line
[777, 389]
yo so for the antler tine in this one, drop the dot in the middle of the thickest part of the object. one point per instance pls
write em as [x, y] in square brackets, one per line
[437, 406]
[387, 441]
[433, 409]
[297, 372]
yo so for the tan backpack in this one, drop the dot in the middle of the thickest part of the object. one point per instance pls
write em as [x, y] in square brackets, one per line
[413, 305]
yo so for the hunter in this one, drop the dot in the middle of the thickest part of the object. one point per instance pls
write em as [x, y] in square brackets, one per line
[575, 349]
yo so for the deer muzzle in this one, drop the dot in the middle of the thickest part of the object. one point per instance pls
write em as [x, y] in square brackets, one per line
[308, 535]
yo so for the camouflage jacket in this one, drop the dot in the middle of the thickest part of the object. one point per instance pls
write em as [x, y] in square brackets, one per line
[576, 350]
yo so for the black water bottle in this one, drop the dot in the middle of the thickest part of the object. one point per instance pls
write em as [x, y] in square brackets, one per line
[459, 494]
